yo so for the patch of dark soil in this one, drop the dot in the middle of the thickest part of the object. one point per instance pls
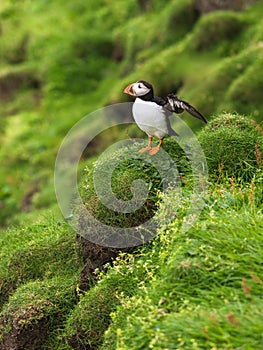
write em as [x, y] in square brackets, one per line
[74, 343]
[26, 203]
[24, 337]
[205, 6]
[18, 54]
[11, 82]
[118, 51]
[95, 257]
[5, 291]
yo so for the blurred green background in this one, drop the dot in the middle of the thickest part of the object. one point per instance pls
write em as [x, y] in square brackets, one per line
[61, 60]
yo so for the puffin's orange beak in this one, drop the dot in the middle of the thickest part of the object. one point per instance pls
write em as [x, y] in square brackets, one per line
[129, 90]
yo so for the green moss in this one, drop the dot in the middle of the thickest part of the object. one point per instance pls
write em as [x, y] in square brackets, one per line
[126, 166]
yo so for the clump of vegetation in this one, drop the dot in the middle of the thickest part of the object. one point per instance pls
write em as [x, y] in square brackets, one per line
[232, 145]
[117, 173]
[33, 310]
[86, 324]
[245, 90]
[222, 77]
[44, 251]
[138, 39]
[218, 29]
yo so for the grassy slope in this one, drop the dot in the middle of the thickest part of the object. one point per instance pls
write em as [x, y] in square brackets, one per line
[202, 289]
[63, 65]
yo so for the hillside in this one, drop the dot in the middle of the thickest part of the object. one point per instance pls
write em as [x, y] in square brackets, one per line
[196, 282]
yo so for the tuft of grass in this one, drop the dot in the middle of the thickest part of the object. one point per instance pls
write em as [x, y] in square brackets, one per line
[229, 143]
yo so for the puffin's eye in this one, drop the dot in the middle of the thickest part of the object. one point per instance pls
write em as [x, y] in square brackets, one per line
[139, 86]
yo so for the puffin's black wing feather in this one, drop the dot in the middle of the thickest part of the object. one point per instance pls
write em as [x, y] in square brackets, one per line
[159, 100]
[173, 104]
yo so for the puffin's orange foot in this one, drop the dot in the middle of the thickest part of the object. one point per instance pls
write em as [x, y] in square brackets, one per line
[154, 150]
[145, 149]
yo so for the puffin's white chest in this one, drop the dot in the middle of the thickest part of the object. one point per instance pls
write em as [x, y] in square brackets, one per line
[151, 118]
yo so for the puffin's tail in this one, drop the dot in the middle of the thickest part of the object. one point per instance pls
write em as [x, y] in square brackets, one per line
[172, 132]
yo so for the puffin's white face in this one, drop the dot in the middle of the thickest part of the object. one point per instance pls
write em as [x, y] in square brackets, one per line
[137, 89]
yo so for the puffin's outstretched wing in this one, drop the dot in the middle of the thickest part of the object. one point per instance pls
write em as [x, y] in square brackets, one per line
[173, 104]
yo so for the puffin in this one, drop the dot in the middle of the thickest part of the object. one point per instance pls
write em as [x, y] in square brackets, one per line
[151, 113]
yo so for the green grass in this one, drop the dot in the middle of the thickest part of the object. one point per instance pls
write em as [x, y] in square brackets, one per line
[37, 252]
[193, 289]
[219, 30]
[89, 320]
[198, 289]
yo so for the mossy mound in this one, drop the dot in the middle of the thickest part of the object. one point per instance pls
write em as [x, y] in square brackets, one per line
[33, 310]
[138, 39]
[232, 145]
[39, 261]
[37, 252]
[126, 166]
[89, 320]
[245, 93]
[222, 79]
[219, 28]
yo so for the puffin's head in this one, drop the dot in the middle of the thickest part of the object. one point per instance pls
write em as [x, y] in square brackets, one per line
[139, 89]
